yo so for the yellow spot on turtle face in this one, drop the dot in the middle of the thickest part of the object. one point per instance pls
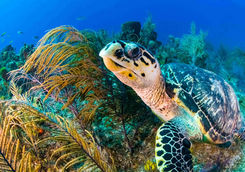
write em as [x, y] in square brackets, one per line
[128, 74]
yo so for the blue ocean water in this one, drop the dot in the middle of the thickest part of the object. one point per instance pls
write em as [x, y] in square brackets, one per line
[25, 21]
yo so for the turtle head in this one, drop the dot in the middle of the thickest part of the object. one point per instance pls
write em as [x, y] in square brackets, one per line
[131, 63]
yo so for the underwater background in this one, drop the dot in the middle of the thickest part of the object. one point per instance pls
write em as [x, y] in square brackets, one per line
[61, 109]
[222, 19]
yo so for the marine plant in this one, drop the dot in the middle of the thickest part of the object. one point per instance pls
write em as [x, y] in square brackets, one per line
[10, 60]
[191, 48]
[8, 52]
[60, 138]
[148, 34]
[14, 156]
[193, 45]
[3, 73]
[61, 73]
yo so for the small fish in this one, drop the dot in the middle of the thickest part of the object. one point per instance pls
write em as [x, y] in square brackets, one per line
[19, 32]
[4, 33]
[10, 42]
[40, 131]
[36, 37]
[81, 18]
[2, 40]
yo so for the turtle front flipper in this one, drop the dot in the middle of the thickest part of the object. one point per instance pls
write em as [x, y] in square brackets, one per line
[172, 149]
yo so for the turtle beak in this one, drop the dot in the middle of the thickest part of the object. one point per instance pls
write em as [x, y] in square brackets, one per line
[109, 57]
[103, 53]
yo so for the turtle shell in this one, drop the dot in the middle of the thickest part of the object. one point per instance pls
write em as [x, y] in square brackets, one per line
[203, 93]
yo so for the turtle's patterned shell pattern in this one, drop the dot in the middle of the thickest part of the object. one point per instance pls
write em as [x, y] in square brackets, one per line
[203, 93]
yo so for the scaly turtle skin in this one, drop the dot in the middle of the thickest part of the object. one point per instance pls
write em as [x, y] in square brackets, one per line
[196, 104]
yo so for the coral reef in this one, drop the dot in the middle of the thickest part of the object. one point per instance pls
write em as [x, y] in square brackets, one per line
[190, 49]
[148, 36]
[26, 51]
[67, 112]
[10, 61]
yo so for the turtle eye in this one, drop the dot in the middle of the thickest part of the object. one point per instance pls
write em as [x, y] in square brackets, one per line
[134, 53]
[119, 53]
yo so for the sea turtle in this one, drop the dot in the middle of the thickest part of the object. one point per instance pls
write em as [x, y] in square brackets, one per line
[195, 104]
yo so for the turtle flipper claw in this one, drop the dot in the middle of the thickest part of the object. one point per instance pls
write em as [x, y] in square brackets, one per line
[172, 149]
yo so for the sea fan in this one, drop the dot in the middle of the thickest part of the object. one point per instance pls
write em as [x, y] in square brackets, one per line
[63, 67]
[14, 156]
[76, 149]
[61, 70]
